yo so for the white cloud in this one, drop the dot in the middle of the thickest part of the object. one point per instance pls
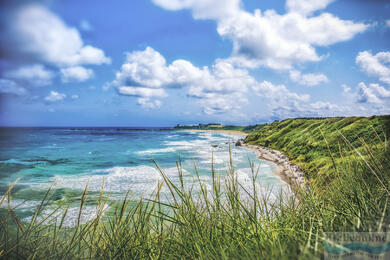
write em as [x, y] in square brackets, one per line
[204, 9]
[310, 79]
[144, 68]
[373, 93]
[35, 74]
[11, 87]
[267, 38]
[279, 41]
[306, 7]
[282, 103]
[278, 94]
[346, 88]
[55, 96]
[77, 73]
[75, 96]
[366, 100]
[375, 65]
[219, 88]
[388, 23]
[142, 92]
[146, 74]
[148, 103]
[45, 36]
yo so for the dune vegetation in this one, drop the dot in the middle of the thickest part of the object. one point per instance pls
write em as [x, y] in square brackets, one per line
[347, 164]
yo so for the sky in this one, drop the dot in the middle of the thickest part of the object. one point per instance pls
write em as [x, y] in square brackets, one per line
[168, 62]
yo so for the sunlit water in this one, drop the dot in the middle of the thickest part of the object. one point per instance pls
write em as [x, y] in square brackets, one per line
[66, 158]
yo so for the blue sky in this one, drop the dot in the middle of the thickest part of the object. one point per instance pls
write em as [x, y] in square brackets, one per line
[163, 62]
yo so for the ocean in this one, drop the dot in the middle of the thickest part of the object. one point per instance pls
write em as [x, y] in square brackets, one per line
[65, 159]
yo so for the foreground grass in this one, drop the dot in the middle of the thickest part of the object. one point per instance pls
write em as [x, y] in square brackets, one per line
[224, 221]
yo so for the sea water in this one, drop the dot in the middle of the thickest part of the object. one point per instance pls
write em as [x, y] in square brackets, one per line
[65, 159]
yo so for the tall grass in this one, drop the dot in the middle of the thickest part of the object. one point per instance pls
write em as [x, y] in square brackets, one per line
[224, 221]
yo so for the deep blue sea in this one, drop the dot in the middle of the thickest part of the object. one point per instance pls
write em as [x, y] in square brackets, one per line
[66, 158]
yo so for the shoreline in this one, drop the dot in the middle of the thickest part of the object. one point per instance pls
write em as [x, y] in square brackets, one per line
[287, 171]
[284, 169]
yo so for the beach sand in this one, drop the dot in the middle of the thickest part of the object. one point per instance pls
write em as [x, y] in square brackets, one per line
[286, 170]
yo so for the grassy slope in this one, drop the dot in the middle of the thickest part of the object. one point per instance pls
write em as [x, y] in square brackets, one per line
[316, 144]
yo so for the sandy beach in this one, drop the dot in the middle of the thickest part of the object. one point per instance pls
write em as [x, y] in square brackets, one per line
[286, 170]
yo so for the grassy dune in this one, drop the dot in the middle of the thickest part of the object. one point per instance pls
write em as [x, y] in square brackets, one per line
[346, 159]
[318, 145]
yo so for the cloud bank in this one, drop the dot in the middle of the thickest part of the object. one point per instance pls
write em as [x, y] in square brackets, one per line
[266, 38]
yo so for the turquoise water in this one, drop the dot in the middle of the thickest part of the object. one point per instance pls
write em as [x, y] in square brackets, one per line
[66, 158]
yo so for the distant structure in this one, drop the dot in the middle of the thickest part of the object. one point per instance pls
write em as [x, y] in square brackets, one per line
[199, 126]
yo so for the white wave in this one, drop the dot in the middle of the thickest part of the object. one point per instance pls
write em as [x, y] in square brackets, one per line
[139, 180]
[174, 172]
[215, 161]
[88, 213]
[20, 204]
[172, 136]
[161, 150]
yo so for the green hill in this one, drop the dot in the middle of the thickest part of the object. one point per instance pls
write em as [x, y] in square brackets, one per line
[320, 146]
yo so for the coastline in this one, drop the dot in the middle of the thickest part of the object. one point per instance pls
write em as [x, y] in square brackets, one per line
[287, 171]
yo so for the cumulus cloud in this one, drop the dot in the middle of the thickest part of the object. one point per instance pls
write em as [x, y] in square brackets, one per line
[77, 73]
[217, 89]
[141, 92]
[147, 103]
[205, 9]
[55, 96]
[306, 7]
[35, 74]
[373, 93]
[346, 88]
[286, 104]
[375, 65]
[388, 23]
[146, 74]
[43, 35]
[268, 38]
[279, 94]
[75, 96]
[310, 79]
[11, 87]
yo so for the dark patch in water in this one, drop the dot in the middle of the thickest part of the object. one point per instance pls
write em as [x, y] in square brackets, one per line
[37, 175]
[104, 165]
[58, 194]
[39, 160]
[7, 169]
[16, 188]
